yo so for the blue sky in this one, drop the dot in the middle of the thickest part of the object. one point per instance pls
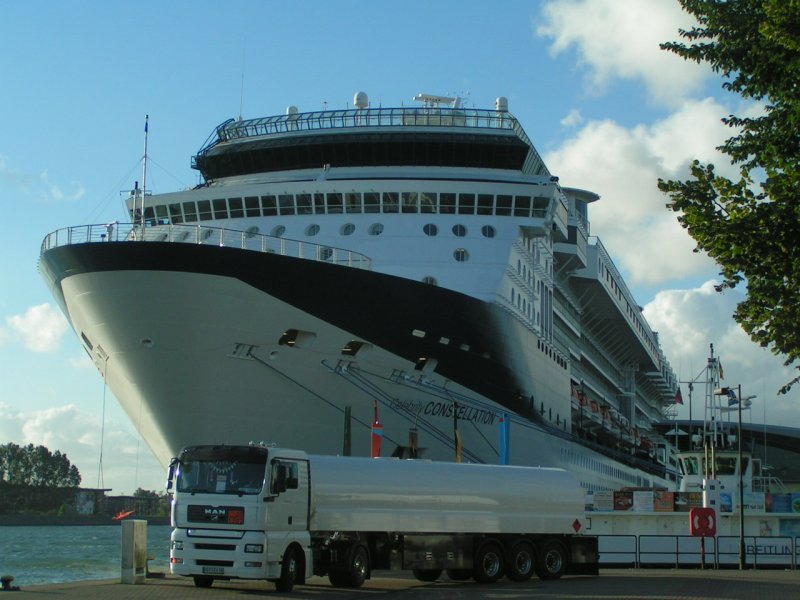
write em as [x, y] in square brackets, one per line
[607, 109]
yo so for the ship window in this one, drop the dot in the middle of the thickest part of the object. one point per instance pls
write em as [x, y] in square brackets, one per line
[522, 206]
[251, 231]
[286, 204]
[540, 206]
[161, 214]
[220, 208]
[427, 202]
[375, 229]
[303, 204]
[391, 200]
[447, 204]
[430, 280]
[459, 230]
[204, 210]
[324, 253]
[461, 254]
[503, 208]
[488, 231]
[312, 230]
[252, 207]
[372, 202]
[347, 229]
[334, 203]
[466, 204]
[319, 204]
[236, 207]
[189, 212]
[430, 229]
[410, 202]
[175, 214]
[278, 231]
[485, 204]
[353, 202]
[269, 206]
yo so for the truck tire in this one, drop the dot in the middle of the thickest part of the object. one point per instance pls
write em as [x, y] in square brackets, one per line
[202, 581]
[487, 567]
[289, 568]
[356, 572]
[459, 574]
[521, 561]
[426, 574]
[552, 561]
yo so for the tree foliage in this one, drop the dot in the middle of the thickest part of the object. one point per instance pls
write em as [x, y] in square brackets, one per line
[36, 466]
[751, 227]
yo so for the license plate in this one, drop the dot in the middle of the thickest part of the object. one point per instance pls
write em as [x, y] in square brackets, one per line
[214, 570]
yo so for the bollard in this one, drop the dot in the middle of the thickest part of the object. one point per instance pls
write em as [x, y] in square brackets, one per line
[134, 551]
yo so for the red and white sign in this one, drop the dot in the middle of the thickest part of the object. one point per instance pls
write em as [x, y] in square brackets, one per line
[703, 522]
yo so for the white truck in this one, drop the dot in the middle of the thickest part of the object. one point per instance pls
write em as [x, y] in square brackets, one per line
[255, 512]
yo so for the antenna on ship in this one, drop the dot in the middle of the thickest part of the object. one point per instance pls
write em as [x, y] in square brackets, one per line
[144, 168]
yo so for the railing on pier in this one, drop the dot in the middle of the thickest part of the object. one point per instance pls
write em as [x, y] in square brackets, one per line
[202, 235]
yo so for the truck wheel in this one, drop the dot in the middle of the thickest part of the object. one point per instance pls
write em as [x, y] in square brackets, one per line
[553, 559]
[202, 581]
[289, 568]
[521, 562]
[356, 573]
[427, 574]
[459, 574]
[488, 564]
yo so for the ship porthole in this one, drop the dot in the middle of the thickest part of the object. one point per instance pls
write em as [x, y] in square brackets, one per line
[488, 231]
[251, 231]
[430, 280]
[347, 229]
[375, 229]
[459, 230]
[461, 254]
[312, 230]
[278, 231]
[430, 229]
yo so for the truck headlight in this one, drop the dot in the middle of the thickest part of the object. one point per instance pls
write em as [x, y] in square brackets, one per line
[254, 548]
[177, 545]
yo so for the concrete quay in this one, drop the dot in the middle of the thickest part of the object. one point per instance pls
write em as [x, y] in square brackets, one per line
[611, 584]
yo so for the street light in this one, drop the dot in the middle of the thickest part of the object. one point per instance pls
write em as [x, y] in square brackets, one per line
[726, 391]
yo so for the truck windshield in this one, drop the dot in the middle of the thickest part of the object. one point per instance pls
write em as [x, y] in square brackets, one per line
[222, 470]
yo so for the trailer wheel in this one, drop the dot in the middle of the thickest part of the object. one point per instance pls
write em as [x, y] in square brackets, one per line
[459, 574]
[553, 559]
[289, 567]
[356, 572]
[202, 581]
[426, 574]
[488, 564]
[521, 562]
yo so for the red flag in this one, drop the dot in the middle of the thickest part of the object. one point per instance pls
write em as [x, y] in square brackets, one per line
[377, 434]
[679, 397]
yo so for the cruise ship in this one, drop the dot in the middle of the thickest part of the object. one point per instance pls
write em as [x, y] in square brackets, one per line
[415, 272]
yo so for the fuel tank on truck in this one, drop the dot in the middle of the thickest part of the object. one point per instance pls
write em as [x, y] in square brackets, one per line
[384, 494]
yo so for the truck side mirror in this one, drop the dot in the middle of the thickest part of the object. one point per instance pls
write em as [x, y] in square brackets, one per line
[171, 473]
[281, 476]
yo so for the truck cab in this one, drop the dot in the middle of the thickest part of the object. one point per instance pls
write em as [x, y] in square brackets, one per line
[240, 512]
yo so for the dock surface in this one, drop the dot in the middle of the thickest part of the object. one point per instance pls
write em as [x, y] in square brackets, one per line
[656, 584]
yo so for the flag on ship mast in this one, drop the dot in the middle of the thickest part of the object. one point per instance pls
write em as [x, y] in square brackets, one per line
[377, 434]
[679, 396]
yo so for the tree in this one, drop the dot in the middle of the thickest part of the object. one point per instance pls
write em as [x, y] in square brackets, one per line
[37, 466]
[751, 227]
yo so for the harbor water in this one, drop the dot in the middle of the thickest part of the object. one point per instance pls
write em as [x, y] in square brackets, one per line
[55, 554]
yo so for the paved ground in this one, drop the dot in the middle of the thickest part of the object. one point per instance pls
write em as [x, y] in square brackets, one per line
[656, 584]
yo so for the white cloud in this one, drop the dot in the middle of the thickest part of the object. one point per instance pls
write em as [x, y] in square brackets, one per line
[127, 463]
[573, 118]
[621, 40]
[40, 328]
[39, 186]
[689, 320]
[623, 166]
[54, 191]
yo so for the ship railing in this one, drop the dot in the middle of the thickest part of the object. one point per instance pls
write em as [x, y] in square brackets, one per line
[203, 235]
